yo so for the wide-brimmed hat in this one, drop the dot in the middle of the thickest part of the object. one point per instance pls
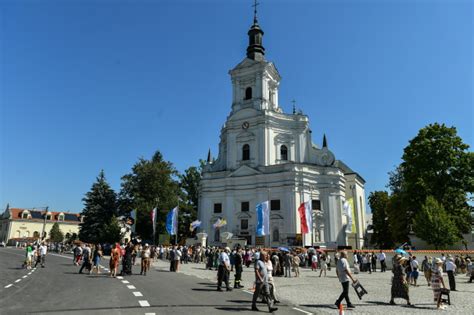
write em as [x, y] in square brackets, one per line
[438, 261]
[227, 249]
[402, 259]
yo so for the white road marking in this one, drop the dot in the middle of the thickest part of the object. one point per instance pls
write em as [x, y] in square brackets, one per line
[125, 281]
[30, 273]
[247, 291]
[119, 277]
[300, 310]
[144, 303]
[150, 313]
[137, 293]
[17, 280]
[131, 287]
[7, 286]
[25, 276]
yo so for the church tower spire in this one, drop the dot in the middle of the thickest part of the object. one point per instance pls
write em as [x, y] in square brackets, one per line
[255, 50]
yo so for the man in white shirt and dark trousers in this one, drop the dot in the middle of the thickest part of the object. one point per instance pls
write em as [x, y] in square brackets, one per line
[223, 271]
[344, 274]
[381, 257]
[451, 269]
[261, 284]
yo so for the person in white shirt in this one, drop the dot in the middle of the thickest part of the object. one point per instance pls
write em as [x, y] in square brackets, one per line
[451, 269]
[43, 249]
[381, 257]
[223, 270]
[414, 271]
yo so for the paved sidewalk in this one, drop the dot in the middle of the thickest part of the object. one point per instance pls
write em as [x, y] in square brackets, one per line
[317, 295]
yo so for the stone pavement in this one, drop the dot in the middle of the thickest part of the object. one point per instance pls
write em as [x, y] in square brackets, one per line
[317, 295]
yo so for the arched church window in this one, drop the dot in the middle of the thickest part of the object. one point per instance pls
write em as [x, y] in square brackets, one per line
[248, 93]
[246, 152]
[276, 235]
[284, 153]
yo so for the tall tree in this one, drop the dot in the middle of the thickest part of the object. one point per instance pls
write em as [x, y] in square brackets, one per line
[433, 224]
[151, 184]
[100, 206]
[379, 203]
[436, 163]
[56, 235]
[189, 184]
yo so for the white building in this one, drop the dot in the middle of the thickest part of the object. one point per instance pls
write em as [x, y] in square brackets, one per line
[265, 154]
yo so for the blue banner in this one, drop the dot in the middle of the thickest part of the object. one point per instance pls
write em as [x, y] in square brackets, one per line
[172, 222]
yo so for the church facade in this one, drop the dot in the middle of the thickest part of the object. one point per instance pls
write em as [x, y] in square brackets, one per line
[266, 154]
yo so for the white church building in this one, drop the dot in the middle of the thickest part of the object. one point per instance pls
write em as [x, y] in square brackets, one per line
[266, 154]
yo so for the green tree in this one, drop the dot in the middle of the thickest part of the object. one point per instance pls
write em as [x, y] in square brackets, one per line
[436, 163]
[56, 235]
[151, 184]
[189, 184]
[379, 202]
[100, 207]
[112, 233]
[433, 224]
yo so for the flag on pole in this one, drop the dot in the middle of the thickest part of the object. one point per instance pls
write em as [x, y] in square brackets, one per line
[306, 218]
[219, 223]
[349, 212]
[153, 219]
[172, 221]
[194, 225]
[263, 218]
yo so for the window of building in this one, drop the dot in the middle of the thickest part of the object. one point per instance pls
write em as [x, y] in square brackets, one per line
[61, 217]
[24, 215]
[27, 234]
[36, 234]
[218, 208]
[248, 93]
[246, 152]
[316, 204]
[284, 153]
[244, 224]
[48, 217]
[276, 235]
[244, 206]
[275, 204]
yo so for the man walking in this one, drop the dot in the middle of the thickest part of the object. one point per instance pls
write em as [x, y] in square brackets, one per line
[382, 258]
[261, 284]
[223, 270]
[451, 269]
[86, 258]
[288, 261]
[343, 273]
[238, 260]
[43, 249]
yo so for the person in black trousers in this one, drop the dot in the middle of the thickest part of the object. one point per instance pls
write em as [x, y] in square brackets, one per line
[344, 274]
[450, 269]
[238, 260]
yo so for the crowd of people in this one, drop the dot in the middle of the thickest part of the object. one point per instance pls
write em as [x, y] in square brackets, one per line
[267, 264]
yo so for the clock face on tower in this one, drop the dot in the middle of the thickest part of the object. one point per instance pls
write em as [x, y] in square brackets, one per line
[245, 125]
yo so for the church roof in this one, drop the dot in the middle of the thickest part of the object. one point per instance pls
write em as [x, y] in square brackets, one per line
[347, 170]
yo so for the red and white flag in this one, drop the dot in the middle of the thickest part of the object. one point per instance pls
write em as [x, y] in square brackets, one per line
[306, 218]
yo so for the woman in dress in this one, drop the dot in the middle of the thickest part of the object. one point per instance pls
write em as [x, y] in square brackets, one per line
[269, 265]
[399, 284]
[437, 281]
[114, 260]
[127, 260]
[96, 259]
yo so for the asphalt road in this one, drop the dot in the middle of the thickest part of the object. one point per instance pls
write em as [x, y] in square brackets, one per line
[59, 289]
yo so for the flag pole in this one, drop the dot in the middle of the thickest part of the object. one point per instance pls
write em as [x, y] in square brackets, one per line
[176, 234]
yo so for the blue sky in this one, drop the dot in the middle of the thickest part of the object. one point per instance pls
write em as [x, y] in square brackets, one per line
[96, 84]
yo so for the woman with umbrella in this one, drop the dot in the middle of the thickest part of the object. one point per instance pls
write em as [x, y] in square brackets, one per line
[399, 284]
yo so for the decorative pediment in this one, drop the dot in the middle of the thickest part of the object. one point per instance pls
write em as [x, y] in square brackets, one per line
[244, 170]
[276, 216]
[244, 215]
[284, 138]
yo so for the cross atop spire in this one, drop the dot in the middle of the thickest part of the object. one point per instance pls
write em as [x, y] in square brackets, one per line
[255, 49]
[255, 11]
